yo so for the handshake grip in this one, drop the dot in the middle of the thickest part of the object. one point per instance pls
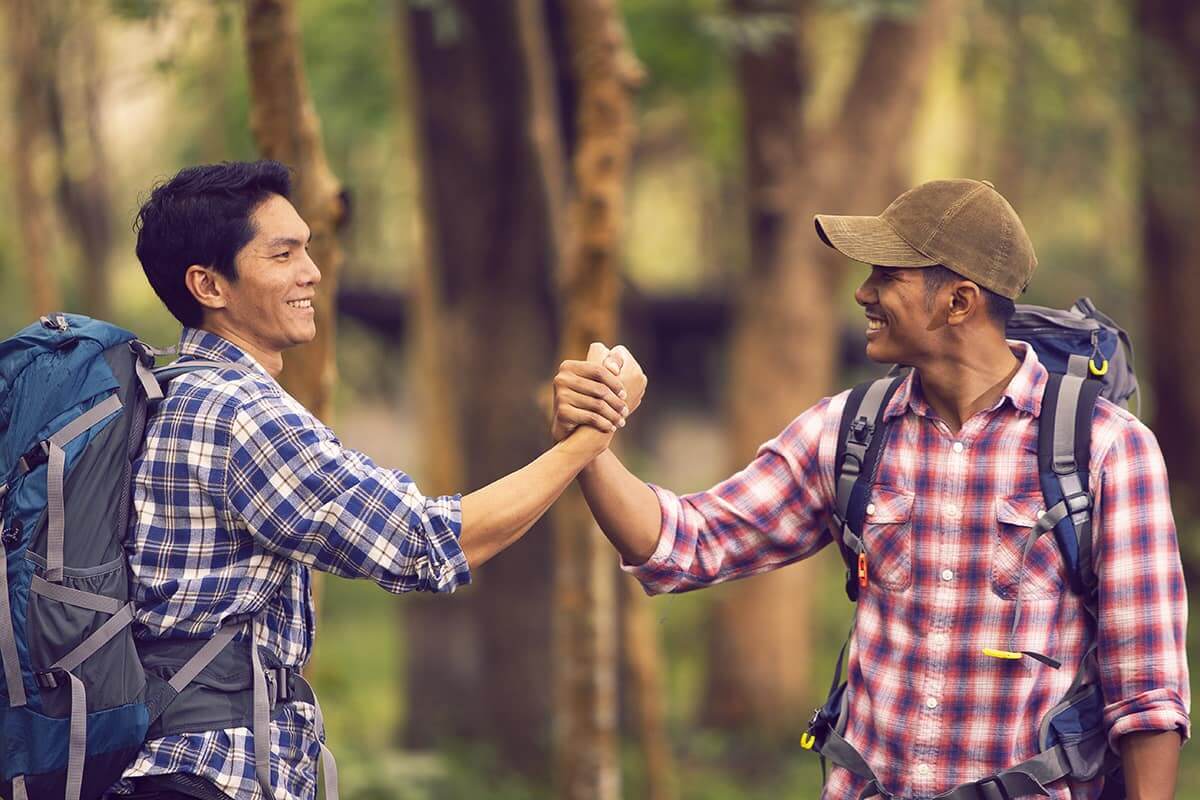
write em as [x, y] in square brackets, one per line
[601, 391]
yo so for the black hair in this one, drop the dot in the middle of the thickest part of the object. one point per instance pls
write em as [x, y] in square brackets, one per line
[202, 216]
[999, 308]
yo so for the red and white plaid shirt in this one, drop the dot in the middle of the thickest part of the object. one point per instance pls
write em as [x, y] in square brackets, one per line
[948, 517]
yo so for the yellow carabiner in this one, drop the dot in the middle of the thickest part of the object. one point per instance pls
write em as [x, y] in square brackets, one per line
[1099, 371]
[807, 740]
[1008, 654]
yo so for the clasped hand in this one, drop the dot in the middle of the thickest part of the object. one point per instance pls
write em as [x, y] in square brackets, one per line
[601, 391]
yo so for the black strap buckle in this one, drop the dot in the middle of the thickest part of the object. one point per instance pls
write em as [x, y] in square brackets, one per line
[36, 456]
[1080, 501]
[47, 679]
[861, 430]
[279, 684]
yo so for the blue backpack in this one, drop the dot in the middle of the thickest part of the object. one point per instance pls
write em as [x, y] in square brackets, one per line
[1088, 356]
[79, 696]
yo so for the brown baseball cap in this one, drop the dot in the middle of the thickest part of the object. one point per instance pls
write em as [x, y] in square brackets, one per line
[962, 224]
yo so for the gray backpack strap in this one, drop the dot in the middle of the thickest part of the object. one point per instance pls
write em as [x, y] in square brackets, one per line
[56, 474]
[860, 441]
[262, 716]
[8, 641]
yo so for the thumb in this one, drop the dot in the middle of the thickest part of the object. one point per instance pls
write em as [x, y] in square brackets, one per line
[596, 352]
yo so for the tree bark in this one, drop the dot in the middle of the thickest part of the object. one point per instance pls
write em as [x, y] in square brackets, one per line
[585, 604]
[785, 340]
[1169, 124]
[494, 266]
[286, 129]
[83, 167]
[32, 74]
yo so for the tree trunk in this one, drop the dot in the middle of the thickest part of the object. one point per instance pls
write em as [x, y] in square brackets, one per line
[286, 129]
[83, 167]
[493, 253]
[585, 603]
[645, 693]
[32, 73]
[784, 343]
[1169, 123]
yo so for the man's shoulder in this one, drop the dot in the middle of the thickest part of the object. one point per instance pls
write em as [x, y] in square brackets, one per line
[1111, 424]
[219, 393]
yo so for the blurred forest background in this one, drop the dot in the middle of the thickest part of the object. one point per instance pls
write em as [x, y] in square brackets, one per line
[494, 183]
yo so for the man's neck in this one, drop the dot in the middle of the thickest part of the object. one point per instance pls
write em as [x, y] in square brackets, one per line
[959, 386]
[271, 361]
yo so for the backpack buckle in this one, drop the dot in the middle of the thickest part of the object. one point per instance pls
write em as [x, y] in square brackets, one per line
[1080, 501]
[861, 430]
[38, 454]
[47, 679]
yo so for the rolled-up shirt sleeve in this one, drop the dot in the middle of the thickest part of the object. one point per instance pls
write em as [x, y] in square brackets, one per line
[773, 512]
[1142, 600]
[303, 495]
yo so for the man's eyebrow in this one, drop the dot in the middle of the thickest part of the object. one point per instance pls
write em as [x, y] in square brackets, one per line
[287, 241]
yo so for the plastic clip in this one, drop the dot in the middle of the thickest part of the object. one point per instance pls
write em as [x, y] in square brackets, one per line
[862, 570]
[1005, 654]
[1099, 371]
[807, 740]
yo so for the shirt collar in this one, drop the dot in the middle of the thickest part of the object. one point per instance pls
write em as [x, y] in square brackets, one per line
[197, 343]
[1024, 391]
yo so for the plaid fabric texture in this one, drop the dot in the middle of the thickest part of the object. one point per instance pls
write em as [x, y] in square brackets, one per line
[240, 492]
[948, 517]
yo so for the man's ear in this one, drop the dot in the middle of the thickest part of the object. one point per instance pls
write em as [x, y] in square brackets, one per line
[207, 285]
[966, 301]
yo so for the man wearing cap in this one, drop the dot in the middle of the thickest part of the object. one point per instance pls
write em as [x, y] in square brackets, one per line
[951, 510]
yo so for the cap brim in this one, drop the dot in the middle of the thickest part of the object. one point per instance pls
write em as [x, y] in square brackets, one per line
[869, 240]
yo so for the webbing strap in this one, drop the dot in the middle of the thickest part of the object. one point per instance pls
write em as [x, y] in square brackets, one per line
[74, 597]
[856, 450]
[8, 641]
[1064, 433]
[1077, 365]
[97, 639]
[1027, 778]
[18, 786]
[77, 750]
[203, 657]
[149, 382]
[262, 717]
[56, 473]
[329, 779]
[1045, 522]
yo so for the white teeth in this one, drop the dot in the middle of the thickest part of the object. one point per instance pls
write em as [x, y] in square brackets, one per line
[300, 303]
[874, 324]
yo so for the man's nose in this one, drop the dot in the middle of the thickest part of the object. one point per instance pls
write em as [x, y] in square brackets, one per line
[864, 295]
[312, 273]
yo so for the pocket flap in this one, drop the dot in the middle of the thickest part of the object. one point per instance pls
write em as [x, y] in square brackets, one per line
[1022, 510]
[888, 505]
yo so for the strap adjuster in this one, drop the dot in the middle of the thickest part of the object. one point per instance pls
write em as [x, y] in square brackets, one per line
[47, 679]
[1080, 501]
[279, 684]
[861, 430]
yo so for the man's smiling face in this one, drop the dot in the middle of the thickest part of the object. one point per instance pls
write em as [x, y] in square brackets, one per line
[270, 305]
[899, 322]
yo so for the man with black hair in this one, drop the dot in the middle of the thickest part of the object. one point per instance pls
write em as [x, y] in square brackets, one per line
[951, 591]
[240, 492]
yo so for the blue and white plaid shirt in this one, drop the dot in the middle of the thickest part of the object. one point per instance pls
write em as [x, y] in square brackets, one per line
[240, 492]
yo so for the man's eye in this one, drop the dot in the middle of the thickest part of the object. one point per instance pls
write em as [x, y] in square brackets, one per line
[284, 254]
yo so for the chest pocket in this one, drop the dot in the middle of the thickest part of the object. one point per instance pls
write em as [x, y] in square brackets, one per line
[887, 535]
[1042, 573]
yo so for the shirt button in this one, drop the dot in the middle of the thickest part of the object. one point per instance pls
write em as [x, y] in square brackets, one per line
[947, 574]
[931, 702]
[870, 508]
[952, 511]
[924, 769]
[958, 447]
[940, 640]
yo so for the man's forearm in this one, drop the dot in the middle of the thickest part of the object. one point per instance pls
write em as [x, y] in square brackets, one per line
[625, 508]
[500, 513]
[1150, 761]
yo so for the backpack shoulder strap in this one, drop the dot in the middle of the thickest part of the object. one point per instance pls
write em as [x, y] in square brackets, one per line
[1064, 455]
[860, 440]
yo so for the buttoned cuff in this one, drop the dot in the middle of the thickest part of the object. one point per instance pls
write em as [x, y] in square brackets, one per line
[655, 573]
[1155, 710]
